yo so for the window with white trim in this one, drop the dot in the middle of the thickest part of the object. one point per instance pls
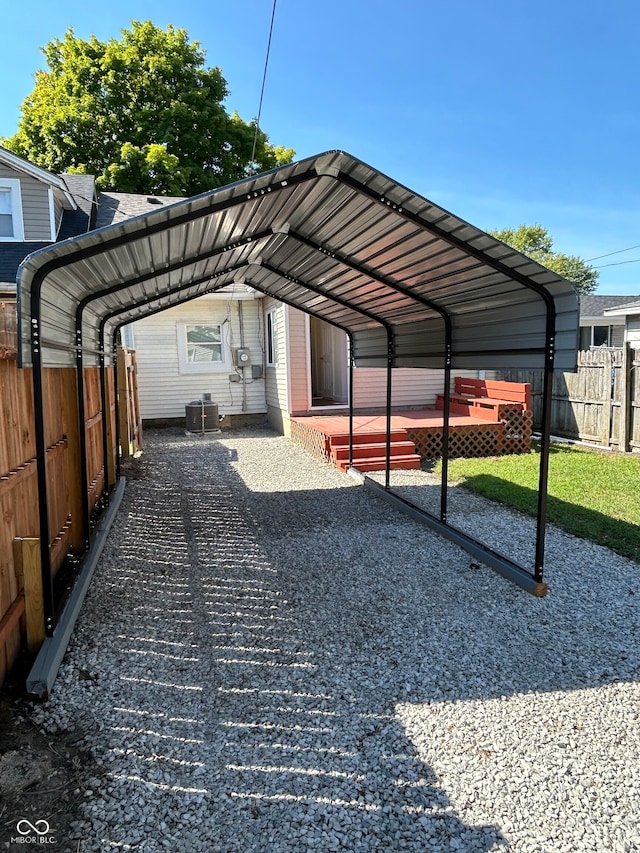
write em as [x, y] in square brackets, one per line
[201, 347]
[11, 225]
[272, 338]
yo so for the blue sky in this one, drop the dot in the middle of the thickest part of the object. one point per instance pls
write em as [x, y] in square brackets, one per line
[502, 112]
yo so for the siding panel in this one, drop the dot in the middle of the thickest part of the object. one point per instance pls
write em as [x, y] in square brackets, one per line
[35, 205]
[164, 390]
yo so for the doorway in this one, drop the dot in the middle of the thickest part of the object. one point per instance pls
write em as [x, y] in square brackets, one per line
[329, 364]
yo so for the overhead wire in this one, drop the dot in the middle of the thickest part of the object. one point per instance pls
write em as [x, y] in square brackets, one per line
[264, 79]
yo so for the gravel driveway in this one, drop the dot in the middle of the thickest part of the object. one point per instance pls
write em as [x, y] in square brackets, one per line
[272, 659]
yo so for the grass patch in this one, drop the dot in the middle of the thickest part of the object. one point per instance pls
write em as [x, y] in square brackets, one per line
[593, 495]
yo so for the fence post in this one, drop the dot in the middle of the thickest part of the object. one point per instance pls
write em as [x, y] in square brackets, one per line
[74, 462]
[27, 556]
[124, 408]
[607, 366]
[626, 398]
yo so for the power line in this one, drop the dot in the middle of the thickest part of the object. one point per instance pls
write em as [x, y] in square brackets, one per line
[264, 79]
[608, 255]
[618, 263]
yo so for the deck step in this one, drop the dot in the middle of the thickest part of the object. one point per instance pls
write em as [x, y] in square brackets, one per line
[375, 437]
[375, 450]
[377, 463]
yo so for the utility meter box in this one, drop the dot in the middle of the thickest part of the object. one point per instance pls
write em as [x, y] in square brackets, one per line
[202, 416]
[243, 357]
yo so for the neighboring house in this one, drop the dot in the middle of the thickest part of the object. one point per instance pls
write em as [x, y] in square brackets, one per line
[252, 356]
[38, 208]
[629, 314]
[597, 327]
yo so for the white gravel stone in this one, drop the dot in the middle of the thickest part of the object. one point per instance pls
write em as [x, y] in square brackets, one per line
[279, 661]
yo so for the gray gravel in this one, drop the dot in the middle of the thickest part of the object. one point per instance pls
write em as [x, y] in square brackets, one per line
[272, 659]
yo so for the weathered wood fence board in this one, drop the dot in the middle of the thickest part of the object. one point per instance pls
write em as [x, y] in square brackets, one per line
[600, 403]
[18, 471]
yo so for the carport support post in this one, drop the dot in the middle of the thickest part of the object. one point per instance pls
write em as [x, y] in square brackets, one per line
[350, 338]
[445, 430]
[116, 401]
[105, 414]
[82, 435]
[41, 469]
[545, 443]
[387, 472]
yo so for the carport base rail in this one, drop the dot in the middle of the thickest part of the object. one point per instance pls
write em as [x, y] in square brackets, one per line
[45, 668]
[498, 562]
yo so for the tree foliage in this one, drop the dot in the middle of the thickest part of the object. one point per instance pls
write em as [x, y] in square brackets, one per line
[142, 113]
[536, 242]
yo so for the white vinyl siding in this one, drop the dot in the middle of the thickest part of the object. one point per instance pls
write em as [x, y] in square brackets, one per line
[298, 372]
[165, 391]
[633, 331]
[410, 387]
[276, 374]
[35, 205]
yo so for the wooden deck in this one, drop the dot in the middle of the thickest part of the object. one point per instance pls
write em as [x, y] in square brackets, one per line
[327, 437]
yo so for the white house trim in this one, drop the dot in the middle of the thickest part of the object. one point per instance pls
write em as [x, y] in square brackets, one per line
[52, 214]
[15, 200]
[39, 174]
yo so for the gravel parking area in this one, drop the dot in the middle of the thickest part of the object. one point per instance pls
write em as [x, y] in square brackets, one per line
[272, 659]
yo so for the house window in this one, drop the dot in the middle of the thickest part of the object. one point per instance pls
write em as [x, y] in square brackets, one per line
[272, 338]
[595, 336]
[11, 227]
[201, 348]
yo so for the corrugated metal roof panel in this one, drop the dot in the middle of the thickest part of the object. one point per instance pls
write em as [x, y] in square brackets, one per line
[328, 234]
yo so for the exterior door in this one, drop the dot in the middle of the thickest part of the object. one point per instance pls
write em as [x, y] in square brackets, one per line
[329, 367]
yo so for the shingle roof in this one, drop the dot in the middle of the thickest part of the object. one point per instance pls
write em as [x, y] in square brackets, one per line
[74, 222]
[595, 306]
[11, 256]
[116, 207]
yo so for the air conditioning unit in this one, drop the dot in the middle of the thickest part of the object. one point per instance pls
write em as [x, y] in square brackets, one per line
[202, 416]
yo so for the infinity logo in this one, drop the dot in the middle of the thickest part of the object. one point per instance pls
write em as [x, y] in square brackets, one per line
[25, 827]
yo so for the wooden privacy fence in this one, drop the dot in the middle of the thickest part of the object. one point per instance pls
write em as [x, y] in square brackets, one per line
[600, 403]
[20, 581]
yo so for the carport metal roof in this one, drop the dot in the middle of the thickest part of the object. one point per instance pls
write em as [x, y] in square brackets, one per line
[329, 235]
[411, 284]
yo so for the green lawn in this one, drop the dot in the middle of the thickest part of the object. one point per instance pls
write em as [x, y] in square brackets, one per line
[592, 494]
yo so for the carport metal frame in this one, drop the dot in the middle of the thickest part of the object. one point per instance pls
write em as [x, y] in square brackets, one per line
[249, 271]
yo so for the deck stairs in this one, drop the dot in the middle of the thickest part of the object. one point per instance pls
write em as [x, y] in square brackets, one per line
[370, 451]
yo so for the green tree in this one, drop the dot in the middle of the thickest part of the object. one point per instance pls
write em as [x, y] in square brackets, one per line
[142, 113]
[536, 242]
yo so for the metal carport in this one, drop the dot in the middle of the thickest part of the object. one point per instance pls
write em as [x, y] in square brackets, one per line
[410, 283]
